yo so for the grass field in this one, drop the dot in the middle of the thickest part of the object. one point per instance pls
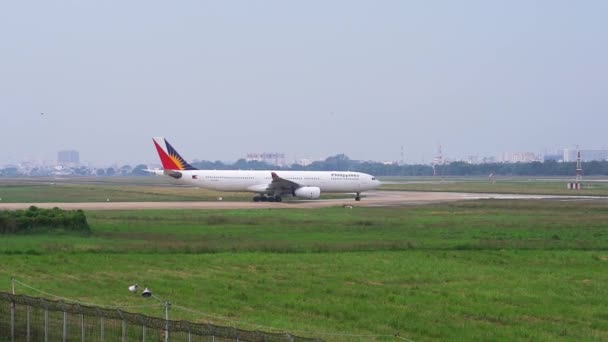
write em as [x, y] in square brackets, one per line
[499, 270]
[516, 185]
[154, 189]
[114, 189]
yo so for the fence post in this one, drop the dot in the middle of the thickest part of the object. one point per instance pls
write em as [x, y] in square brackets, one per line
[13, 310]
[143, 332]
[13, 319]
[124, 330]
[81, 327]
[167, 307]
[27, 319]
[101, 323]
[65, 326]
[46, 325]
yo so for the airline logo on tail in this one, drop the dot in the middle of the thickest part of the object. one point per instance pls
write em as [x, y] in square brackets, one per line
[169, 157]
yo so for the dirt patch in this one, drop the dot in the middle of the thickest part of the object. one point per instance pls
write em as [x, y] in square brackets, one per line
[374, 283]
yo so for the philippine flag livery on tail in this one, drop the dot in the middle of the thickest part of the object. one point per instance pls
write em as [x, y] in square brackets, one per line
[171, 159]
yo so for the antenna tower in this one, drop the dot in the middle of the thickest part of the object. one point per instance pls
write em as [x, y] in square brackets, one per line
[402, 156]
[438, 160]
[579, 165]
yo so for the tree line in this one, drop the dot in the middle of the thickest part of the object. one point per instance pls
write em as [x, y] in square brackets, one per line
[343, 163]
[125, 170]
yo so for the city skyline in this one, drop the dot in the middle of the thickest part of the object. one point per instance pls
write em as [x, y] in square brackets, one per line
[567, 154]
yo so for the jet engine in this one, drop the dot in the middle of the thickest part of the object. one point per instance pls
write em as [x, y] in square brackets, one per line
[310, 192]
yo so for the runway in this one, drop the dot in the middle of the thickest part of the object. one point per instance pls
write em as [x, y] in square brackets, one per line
[371, 199]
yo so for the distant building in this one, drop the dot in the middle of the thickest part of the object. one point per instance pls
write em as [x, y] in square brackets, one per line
[586, 155]
[488, 160]
[303, 162]
[68, 157]
[390, 162]
[519, 157]
[272, 158]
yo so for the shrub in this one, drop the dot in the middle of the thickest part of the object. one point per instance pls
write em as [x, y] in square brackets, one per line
[36, 219]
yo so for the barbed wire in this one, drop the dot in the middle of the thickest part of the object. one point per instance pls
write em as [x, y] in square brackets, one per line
[217, 317]
[83, 303]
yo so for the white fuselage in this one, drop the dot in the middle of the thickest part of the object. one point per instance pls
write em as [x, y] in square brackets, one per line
[258, 181]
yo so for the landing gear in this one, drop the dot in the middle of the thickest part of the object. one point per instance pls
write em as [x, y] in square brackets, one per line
[263, 198]
[275, 198]
[358, 197]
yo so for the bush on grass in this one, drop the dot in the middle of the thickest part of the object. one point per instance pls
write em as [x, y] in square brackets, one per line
[42, 220]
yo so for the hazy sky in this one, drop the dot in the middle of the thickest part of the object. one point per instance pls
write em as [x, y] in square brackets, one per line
[307, 78]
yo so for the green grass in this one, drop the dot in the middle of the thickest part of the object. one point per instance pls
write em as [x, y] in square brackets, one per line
[492, 224]
[482, 270]
[520, 185]
[62, 193]
[119, 189]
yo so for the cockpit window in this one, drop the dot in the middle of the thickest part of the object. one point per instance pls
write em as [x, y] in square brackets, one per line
[373, 178]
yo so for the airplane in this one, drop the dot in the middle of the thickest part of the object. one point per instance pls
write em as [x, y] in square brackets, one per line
[269, 186]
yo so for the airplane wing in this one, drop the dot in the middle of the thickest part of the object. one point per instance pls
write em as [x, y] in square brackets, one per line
[282, 185]
[278, 185]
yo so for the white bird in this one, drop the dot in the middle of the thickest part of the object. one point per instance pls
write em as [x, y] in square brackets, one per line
[133, 288]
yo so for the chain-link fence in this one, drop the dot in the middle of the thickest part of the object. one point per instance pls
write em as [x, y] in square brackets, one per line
[24, 318]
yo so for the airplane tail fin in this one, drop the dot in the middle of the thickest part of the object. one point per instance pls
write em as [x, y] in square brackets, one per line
[169, 157]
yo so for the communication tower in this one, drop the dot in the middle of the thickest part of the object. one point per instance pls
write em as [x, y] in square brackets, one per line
[402, 156]
[577, 185]
[579, 165]
[438, 160]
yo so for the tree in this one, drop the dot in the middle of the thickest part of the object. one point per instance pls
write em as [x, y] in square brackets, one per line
[139, 170]
[10, 172]
[81, 171]
[126, 170]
